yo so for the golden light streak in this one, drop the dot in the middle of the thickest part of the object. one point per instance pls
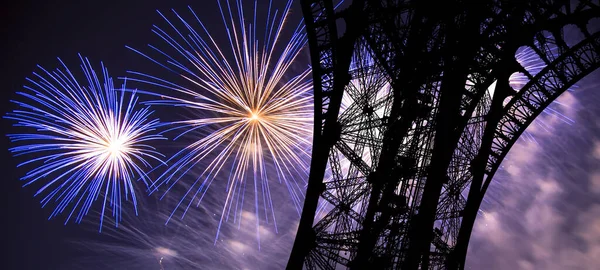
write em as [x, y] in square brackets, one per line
[254, 121]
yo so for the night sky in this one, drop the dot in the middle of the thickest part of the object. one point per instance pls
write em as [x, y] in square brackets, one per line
[543, 211]
[36, 32]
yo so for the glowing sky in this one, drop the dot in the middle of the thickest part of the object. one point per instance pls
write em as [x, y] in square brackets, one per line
[542, 210]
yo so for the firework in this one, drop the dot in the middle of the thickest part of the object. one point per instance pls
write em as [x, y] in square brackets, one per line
[145, 242]
[85, 140]
[533, 64]
[251, 123]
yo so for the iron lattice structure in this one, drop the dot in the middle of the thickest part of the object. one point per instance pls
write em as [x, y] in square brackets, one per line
[414, 112]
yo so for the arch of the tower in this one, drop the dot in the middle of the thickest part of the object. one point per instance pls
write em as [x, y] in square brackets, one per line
[541, 91]
[353, 76]
[560, 64]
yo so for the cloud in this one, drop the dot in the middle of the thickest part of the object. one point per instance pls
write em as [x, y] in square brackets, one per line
[588, 228]
[490, 225]
[594, 183]
[544, 213]
[596, 151]
[535, 238]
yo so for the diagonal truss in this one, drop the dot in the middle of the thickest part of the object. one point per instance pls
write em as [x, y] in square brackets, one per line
[414, 113]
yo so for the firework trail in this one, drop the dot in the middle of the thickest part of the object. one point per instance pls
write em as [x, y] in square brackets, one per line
[85, 140]
[145, 242]
[250, 122]
[561, 111]
[532, 63]
[557, 193]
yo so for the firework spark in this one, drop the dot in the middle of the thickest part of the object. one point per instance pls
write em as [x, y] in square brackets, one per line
[249, 120]
[145, 242]
[533, 64]
[85, 141]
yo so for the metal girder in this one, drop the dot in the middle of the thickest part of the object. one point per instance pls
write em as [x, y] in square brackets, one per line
[409, 128]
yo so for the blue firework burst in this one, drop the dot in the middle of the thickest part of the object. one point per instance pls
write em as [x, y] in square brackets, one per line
[85, 140]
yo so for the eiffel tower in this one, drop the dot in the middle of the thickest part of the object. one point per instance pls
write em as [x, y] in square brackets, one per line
[414, 112]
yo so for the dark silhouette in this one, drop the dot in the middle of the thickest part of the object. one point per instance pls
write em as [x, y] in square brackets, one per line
[402, 168]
